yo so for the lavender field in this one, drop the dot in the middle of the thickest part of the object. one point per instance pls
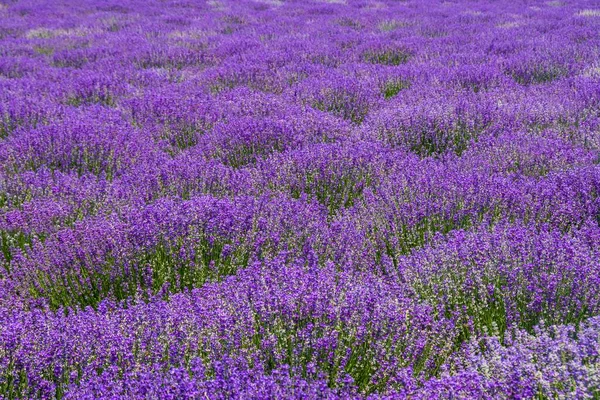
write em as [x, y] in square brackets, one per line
[299, 199]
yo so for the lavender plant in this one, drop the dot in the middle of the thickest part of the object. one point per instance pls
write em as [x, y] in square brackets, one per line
[299, 199]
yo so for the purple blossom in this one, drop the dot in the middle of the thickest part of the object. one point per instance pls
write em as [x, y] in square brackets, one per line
[299, 199]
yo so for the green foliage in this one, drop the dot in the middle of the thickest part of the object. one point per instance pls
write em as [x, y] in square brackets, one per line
[11, 241]
[172, 267]
[105, 99]
[181, 137]
[539, 74]
[387, 56]
[393, 87]
[334, 192]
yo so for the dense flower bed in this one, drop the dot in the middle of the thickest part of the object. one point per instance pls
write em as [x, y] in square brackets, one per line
[299, 199]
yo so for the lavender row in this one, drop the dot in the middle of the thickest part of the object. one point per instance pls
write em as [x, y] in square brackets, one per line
[356, 332]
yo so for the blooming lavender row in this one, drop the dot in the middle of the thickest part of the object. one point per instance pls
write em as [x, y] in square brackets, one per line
[299, 199]
[422, 332]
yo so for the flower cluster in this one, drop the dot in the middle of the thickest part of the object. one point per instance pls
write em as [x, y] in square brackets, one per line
[365, 199]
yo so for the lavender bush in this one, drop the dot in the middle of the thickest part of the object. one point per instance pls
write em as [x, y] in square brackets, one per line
[299, 199]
